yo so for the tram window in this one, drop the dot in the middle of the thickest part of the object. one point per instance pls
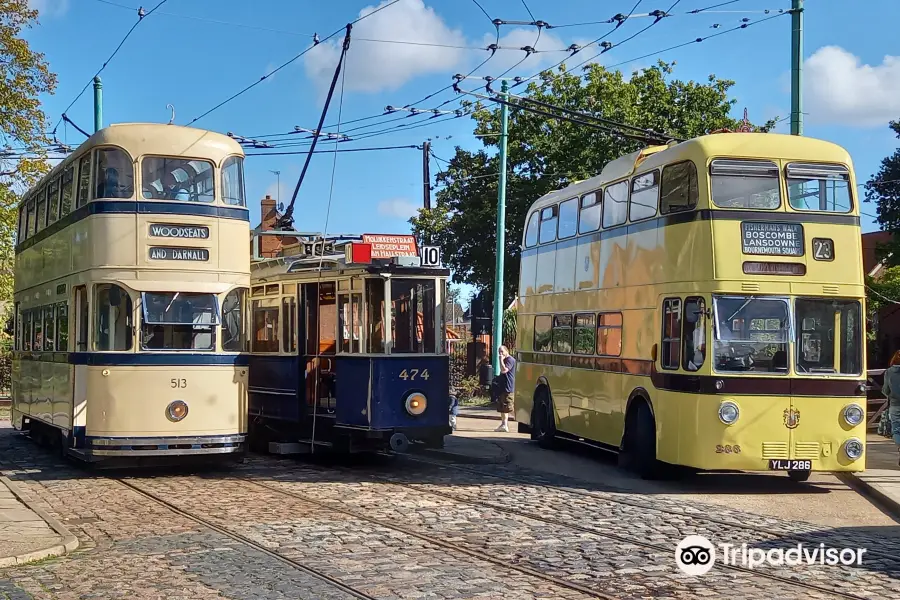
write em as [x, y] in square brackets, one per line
[272, 290]
[17, 341]
[258, 291]
[37, 324]
[53, 201]
[829, 336]
[615, 204]
[548, 224]
[25, 344]
[289, 323]
[671, 335]
[67, 189]
[609, 334]
[233, 320]
[350, 321]
[375, 315]
[113, 318]
[562, 334]
[543, 333]
[568, 218]
[531, 232]
[678, 190]
[694, 338]
[233, 181]
[30, 214]
[327, 318]
[751, 334]
[41, 209]
[20, 224]
[585, 334]
[179, 321]
[81, 319]
[84, 180]
[49, 328]
[114, 176]
[818, 187]
[745, 184]
[265, 325]
[62, 326]
[644, 196]
[589, 219]
[413, 309]
[177, 179]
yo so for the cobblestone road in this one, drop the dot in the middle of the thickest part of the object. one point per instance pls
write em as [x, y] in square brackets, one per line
[400, 529]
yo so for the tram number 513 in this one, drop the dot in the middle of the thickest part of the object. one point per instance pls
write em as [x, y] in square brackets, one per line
[178, 383]
[413, 374]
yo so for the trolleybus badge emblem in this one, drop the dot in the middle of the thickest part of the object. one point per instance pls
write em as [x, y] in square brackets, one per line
[791, 418]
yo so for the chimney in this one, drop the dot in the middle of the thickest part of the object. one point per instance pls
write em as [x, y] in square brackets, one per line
[270, 245]
[268, 213]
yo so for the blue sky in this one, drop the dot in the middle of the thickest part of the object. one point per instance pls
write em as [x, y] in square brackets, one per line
[195, 53]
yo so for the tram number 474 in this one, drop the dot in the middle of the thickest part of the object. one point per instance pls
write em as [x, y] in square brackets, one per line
[413, 374]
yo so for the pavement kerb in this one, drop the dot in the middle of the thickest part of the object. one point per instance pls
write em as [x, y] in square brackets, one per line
[862, 486]
[69, 542]
[459, 457]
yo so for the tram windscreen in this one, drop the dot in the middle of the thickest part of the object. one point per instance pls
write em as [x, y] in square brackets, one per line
[751, 334]
[179, 321]
[413, 312]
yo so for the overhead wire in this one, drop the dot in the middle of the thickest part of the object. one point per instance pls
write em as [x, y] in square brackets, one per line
[337, 150]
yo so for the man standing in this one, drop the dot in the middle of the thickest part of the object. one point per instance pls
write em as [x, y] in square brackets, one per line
[505, 386]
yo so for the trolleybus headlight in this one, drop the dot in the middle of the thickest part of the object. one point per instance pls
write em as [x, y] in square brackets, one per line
[416, 403]
[177, 410]
[853, 414]
[853, 448]
[729, 412]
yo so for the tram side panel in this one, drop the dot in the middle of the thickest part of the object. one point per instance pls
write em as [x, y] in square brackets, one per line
[274, 388]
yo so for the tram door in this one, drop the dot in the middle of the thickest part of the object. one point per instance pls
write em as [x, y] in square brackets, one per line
[320, 319]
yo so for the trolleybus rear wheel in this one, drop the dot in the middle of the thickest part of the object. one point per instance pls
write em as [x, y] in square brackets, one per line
[543, 424]
[798, 476]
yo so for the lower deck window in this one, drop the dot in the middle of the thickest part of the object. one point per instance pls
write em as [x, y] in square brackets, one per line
[413, 310]
[179, 321]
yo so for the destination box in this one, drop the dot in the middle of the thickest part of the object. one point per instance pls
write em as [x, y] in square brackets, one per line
[773, 239]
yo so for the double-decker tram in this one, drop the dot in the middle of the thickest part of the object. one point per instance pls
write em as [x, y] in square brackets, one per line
[348, 348]
[130, 293]
[700, 304]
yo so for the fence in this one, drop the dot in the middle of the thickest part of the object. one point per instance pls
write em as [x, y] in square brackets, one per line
[875, 400]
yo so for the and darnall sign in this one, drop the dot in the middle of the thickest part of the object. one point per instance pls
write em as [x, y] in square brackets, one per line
[389, 246]
[166, 230]
[188, 254]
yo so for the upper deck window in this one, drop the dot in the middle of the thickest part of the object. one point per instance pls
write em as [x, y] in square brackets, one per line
[678, 190]
[615, 204]
[84, 180]
[233, 181]
[114, 174]
[531, 231]
[67, 191]
[41, 209]
[745, 184]
[53, 201]
[30, 218]
[589, 219]
[818, 187]
[568, 218]
[177, 179]
[179, 321]
[549, 217]
[644, 196]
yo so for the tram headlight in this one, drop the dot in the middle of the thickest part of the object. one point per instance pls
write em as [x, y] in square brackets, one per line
[416, 403]
[729, 412]
[853, 414]
[176, 410]
[853, 448]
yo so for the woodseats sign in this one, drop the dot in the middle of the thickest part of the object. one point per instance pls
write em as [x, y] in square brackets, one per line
[389, 246]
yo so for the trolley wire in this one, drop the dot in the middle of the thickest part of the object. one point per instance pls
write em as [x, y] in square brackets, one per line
[336, 150]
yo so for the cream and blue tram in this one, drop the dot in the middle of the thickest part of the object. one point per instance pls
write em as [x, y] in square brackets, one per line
[130, 292]
[325, 371]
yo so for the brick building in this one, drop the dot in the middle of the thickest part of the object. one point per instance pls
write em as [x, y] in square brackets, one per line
[271, 246]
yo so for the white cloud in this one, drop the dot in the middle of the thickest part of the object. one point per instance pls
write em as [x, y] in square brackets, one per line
[49, 8]
[399, 208]
[373, 66]
[840, 89]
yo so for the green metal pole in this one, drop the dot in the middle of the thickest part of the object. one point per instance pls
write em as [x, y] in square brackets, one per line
[797, 67]
[501, 236]
[98, 104]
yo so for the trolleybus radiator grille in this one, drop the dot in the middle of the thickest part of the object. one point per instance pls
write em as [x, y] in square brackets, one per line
[806, 450]
[775, 450]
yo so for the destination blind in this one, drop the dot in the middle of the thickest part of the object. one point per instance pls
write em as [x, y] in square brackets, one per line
[184, 254]
[774, 239]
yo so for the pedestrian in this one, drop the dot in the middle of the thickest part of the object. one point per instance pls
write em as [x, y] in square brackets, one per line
[454, 410]
[891, 391]
[505, 387]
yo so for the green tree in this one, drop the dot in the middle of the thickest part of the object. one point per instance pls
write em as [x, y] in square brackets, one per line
[545, 154]
[24, 76]
[883, 188]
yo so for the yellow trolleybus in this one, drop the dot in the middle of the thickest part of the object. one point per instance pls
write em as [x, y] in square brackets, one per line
[131, 279]
[700, 304]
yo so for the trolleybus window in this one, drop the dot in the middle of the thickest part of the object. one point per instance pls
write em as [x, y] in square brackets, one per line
[694, 338]
[81, 319]
[751, 334]
[562, 334]
[265, 325]
[41, 209]
[233, 308]
[26, 331]
[615, 204]
[233, 181]
[745, 184]
[543, 333]
[20, 226]
[53, 201]
[177, 179]
[548, 224]
[30, 218]
[49, 329]
[531, 232]
[644, 196]
[818, 187]
[589, 218]
[84, 180]
[671, 338]
[37, 339]
[609, 334]
[114, 176]
[113, 318]
[568, 218]
[413, 309]
[585, 334]
[179, 321]
[62, 326]
[678, 190]
[829, 338]
[375, 314]
[67, 191]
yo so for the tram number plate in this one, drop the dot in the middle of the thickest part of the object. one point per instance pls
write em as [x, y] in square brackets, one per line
[790, 465]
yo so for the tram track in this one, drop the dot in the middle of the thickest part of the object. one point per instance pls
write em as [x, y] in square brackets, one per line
[529, 515]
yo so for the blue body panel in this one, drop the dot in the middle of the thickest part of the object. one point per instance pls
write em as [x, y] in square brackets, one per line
[275, 390]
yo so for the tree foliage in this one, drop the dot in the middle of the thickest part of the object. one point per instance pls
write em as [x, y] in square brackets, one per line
[24, 76]
[883, 188]
[545, 154]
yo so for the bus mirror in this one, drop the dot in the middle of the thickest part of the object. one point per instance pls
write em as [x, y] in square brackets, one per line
[653, 353]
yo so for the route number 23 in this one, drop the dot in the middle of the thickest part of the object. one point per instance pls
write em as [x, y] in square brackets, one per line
[414, 374]
[178, 383]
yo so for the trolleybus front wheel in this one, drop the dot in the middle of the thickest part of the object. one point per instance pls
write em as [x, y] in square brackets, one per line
[798, 476]
[638, 452]
[543, 424]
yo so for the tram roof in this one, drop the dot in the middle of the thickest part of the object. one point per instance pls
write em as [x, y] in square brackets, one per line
[735, 145]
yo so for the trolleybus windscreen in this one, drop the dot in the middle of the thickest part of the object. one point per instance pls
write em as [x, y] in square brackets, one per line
[829, 336]
[179, 321]
[751, 334]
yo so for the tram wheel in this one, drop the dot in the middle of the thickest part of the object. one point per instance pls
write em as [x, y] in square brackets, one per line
[638, 453]
[543, 423]
[798, 476]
